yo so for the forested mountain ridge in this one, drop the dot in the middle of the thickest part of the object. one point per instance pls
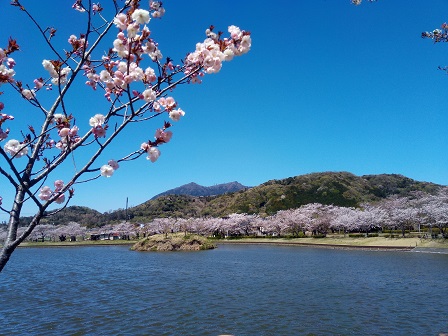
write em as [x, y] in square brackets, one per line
[194, 189]
[337, 188]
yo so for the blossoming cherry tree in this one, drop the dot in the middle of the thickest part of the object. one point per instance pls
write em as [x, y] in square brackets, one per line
[134, 79]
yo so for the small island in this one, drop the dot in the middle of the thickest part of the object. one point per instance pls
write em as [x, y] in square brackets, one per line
[173, 242]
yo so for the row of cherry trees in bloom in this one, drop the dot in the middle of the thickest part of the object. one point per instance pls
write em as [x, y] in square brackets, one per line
[132, 77]
[422, 212]
[52, 232]
[394, 213]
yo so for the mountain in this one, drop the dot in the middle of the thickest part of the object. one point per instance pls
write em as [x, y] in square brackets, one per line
[337, 188]
[194, 189]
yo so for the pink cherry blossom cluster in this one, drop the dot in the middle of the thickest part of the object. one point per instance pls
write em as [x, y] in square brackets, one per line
[56, 71]
[15, 148]
[108, 169]
[210, 54]
[153, 152]
[96, 8]
[68, 134]
[6, 66]
[46, 193]
[131, 44]
[28, 94]
[78, 44]
[118, 76]
[99, 127]
[3, 118]
[169, 105]
[158, 10]
[439, 34]
[161, 136]
[39, 84]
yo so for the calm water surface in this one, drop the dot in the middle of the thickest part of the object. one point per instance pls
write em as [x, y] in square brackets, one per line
[235, 289]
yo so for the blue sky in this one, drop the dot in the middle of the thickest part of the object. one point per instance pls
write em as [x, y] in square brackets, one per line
[327, 86]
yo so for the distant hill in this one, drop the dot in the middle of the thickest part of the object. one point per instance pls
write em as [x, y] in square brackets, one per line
[337, 188]
[194, 189]
[79, 214]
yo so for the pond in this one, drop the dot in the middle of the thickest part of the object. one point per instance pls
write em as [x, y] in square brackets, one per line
[234, 289]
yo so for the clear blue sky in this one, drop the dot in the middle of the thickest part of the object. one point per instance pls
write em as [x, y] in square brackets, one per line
[327, 86]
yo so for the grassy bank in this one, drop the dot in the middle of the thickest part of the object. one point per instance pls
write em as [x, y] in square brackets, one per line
[367, 242]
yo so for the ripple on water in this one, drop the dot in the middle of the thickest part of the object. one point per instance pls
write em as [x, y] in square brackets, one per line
[239, 290]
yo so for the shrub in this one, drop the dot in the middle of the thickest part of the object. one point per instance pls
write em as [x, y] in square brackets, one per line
[392, 236]
[356, 235]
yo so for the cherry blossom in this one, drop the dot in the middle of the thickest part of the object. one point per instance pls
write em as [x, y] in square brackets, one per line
[114, 164]
[163, 136]
[97, 120]
[107, 170]
[63, 132]
[58, 184]
[60, 199]
[59, 76]
[153, 154]
[99, 132]
[15, 148]
[28, 94]
[149, 95]
[121, 21]
[45, 193]
[141, 16]
[176, 114]
[6, 72]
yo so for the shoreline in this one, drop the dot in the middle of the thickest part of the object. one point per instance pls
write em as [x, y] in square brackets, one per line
[335, 242]
[322, 245]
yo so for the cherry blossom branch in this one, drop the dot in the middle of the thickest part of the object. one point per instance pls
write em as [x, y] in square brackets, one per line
[119, 79]
[39, 28]
[12, 167]
[59, 100]
[5, 173]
